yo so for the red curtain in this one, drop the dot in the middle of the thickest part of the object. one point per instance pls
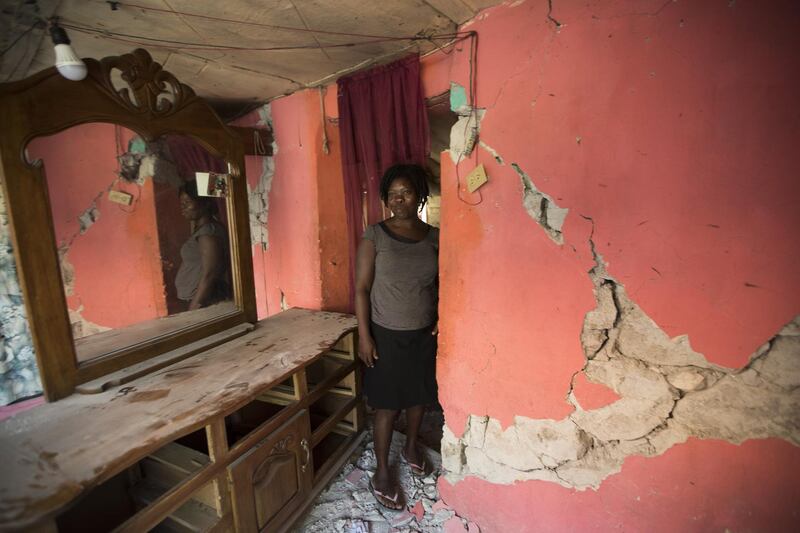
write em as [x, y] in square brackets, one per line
[383, 121]
[190, 157]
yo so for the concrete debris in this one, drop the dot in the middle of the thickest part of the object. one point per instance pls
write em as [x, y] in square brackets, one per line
[541, 207]
[668, 393]
[347, 504]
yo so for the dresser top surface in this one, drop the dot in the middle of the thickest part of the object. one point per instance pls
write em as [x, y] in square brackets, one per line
[56, 451]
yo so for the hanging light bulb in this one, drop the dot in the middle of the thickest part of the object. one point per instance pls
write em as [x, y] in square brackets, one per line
[68, 63]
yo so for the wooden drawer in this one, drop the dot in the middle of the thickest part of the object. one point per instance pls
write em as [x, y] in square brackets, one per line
[274, 478]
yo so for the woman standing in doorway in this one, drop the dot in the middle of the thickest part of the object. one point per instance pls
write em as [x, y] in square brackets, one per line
[396, 306]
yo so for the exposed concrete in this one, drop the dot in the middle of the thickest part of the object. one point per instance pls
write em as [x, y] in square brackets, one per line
[541, 207]
[493, 152]
[88, 217]
[668, 393]
[464, 134]
[259, 197]
[82, 327]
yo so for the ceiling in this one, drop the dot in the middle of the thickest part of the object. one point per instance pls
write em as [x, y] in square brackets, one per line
[311, 29]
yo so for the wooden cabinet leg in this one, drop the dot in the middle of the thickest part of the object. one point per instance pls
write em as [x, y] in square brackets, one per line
[300, 384]
[217, 449]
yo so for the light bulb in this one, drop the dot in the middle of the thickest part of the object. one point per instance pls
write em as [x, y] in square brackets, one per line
[68, 63]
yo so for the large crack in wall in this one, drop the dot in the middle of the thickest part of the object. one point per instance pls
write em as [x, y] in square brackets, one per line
[258, 198]
[541, 207]
[668, 393]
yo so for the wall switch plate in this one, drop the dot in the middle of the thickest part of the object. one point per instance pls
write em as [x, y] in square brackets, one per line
[476, 178]
[120, 197]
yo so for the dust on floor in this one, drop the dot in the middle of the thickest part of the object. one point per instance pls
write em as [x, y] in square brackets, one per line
[348, 506]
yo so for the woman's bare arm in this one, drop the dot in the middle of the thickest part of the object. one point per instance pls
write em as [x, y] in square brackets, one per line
[365, 273]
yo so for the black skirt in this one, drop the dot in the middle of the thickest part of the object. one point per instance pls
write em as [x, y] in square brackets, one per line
[405, 373]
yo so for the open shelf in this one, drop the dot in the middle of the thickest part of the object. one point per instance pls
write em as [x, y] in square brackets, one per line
[329, 445]
[113, 502]
[324, 411]
[191, 517]
[260, 411]
[327, 365]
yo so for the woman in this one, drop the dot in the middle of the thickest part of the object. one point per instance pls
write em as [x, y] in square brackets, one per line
[396, 300]
[202, 278]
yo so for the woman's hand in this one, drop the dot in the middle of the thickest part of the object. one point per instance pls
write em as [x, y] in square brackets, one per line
[367, 351]
[435, 330]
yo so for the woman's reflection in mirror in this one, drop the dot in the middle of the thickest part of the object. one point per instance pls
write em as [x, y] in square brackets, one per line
[203, 278]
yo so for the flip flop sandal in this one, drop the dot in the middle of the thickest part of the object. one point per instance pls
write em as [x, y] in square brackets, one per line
[380, 497]
[416, 470]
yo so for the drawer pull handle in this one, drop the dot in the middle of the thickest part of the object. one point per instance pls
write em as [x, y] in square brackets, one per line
[304, 444]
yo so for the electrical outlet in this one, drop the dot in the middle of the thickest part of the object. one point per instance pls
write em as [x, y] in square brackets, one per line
[120, 197]
[476, 178]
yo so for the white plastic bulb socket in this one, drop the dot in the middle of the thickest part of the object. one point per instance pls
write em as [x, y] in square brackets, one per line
[68, 63]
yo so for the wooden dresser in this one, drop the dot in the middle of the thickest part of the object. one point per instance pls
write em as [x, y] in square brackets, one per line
[240, 437]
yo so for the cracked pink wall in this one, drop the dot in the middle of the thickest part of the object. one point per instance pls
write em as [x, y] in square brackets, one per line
[673, 125]
[117, 263]
[305, 262]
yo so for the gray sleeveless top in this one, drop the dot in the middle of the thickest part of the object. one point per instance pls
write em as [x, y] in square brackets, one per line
[404, 294]
[191, 269]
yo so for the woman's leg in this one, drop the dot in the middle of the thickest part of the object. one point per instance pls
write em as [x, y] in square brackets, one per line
[382, 436]
[413, 422]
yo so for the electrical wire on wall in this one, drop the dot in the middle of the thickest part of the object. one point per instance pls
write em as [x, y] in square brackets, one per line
[472, 121]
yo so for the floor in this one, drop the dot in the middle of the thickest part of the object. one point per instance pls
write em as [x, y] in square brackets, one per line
[347, 505]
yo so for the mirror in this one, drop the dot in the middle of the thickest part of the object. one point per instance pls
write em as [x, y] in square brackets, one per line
[142, 254]
[89, 211]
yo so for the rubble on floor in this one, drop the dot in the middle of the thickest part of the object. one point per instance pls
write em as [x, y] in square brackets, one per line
[348, 506]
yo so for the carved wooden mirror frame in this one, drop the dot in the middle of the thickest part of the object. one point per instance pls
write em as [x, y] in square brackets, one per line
[47, 103]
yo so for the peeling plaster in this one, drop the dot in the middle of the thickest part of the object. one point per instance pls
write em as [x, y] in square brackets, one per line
[493, 152]
[259, 197]
[662, 402]
[668, 393]
[458, 99]
[88, 217]
[541, 207]
[82, 327]
[464, 133]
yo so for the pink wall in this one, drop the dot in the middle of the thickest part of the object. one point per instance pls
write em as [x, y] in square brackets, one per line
[673, 127]
[305, 260]
[118, 278]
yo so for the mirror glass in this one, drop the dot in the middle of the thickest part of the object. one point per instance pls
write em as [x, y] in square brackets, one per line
[142, 253]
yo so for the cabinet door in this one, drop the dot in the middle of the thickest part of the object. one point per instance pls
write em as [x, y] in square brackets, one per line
[273, 478]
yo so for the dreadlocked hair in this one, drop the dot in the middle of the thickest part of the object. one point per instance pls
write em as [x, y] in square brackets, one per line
[416, 174]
